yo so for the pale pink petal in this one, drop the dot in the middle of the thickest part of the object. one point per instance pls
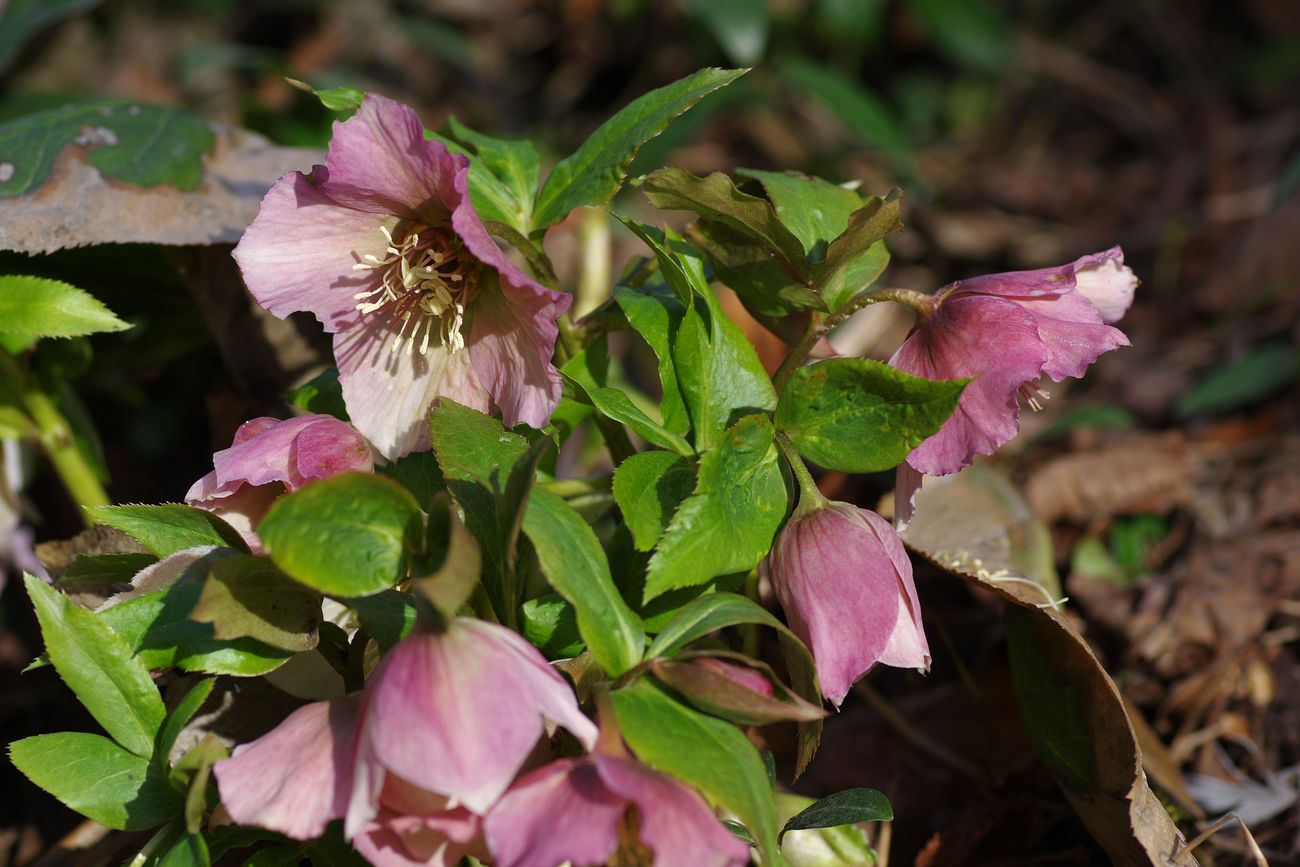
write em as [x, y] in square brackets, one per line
[560, 812]
[1107, 282]
[389, 394]
[254, 427]
[299, 251]
[907, 484]
[747, 678]
[264, 458]
[907, 646]
[675, 822]
[991, 339]
[296, 778]
[327, 448]
[380, 161]
[1072, 333]
[243, 508]
[440, 839]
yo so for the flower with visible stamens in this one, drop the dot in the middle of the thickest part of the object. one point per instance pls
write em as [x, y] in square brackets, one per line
[384, 247]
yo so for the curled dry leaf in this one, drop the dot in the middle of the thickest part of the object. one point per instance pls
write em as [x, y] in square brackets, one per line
[974, 525]
[77, 206]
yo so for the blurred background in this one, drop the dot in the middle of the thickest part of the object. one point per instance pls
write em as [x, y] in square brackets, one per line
[1024, 134]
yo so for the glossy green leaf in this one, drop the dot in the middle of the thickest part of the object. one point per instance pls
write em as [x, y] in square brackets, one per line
[843, 808]
[190, 849]
[98, 779]
[97, 666]
[708, 753]
[323, 393]
[128, 141]
[596, 170]
[575, 565]
[815, 210]
[614, 404]
[857, 257]
[728, 523]
[551, 625]
[655, 315]
[170, 527]
[648, 487]
[861, 416]
[247, 597]
[351, 535]
[502, 177]
[40, 307]
[388, 616]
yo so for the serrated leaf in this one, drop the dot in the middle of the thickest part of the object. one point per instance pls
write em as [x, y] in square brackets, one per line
[334, 98]
[180, 717]
[616, 405]
[170, 527]
[862, 416]
[349, 535]
[728, 523]
[842, 808]
[593, 173]
[815, 210]
[648, 487]
[575, 565]
[116, 568]
[139, 144]
[655, 316]
[708, 753]
[247, 597]
[857, 257]
[97, 666]
[502, 177]
[40, 307]
[551, 625]
[98, 779]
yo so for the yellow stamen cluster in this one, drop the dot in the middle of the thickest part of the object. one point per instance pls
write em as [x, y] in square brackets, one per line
[428, 280]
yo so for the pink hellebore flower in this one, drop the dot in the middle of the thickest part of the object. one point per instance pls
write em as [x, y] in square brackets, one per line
[1007, 330]
[586, 810]
[442, 727]
[845, 583]
[270, 457]
[383, 245]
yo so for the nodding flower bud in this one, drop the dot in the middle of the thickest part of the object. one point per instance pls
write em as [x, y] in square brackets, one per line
[845, 582]
[742, 691]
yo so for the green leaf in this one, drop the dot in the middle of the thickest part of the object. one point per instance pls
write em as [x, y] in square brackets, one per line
[551, 625]
[157, 628]
[615, 404]
[341, 99]
[502, 176]
[349, 535]
[96, 665]
[170, 527]
[843, 808]
[655, 316]
[417, 472]
[180, 717]
[143, 145]
[388, 616]
[857, 257]
[98, 779]
[247, 597]
[648, 487]
[20, 20]
[815, 210]
[861, 416]
[117, 568]
[575, 565]
[596, 170]
[189, 850]
[716, 198]
[740, 26]
[1265, 370]
[727, 525]
[323, 393]
[471, 445]
[710, 754]
[39, 307]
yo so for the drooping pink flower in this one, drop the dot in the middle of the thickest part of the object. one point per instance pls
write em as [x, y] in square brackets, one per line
[413, 762]
[383, 245]
[1005, 331]
[845, 583]
[586, 810]
[269, 458]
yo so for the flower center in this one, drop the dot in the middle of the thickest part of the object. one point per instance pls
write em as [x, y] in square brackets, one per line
[429, 278]
[1034, 395]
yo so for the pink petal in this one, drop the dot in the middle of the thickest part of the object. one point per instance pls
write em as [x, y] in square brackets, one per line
[327, 448]
[992, 339]
[907, 484]
[263, 458]
[907, 646]
[1072, 333]
[439, 839]
[560, 812]
[242, 507]
[388, 394]
[254, 427]
[748, 678]
[379, 161]
[675, 822]
[299, 251]
[296, 778]
[1107, 282]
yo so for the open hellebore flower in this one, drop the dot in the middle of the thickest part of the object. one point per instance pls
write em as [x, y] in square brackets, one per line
[587, 810]
[270, 457]
[443, 726]
[383, 245]
[845, 584]
[1006, 331]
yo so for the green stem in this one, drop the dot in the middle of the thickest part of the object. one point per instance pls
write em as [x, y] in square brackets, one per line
[798, 353]
[749, 632]
[55, 437]
[810, 496]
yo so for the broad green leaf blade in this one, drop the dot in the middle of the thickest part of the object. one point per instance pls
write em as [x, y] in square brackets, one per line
[716, 198]
[180, 717]
[596, 170]
[247, 597]
[38, 307]
[614, 404]
[340, 99]
[551, 625]
[861, 416]
[170, 527]
[843, 808]
[727, 525]
[388, 616]
[710, 754]
[117, 568]
[855, 258]
[143, 145]
[706, 615]
[655, 316]
[502, 176]
[97, 666]
[323, 393]
[815, 210]
[349, 535]
[648, 487]
[471, 445]
[98, 779]
[575, 565]
[189, 850]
